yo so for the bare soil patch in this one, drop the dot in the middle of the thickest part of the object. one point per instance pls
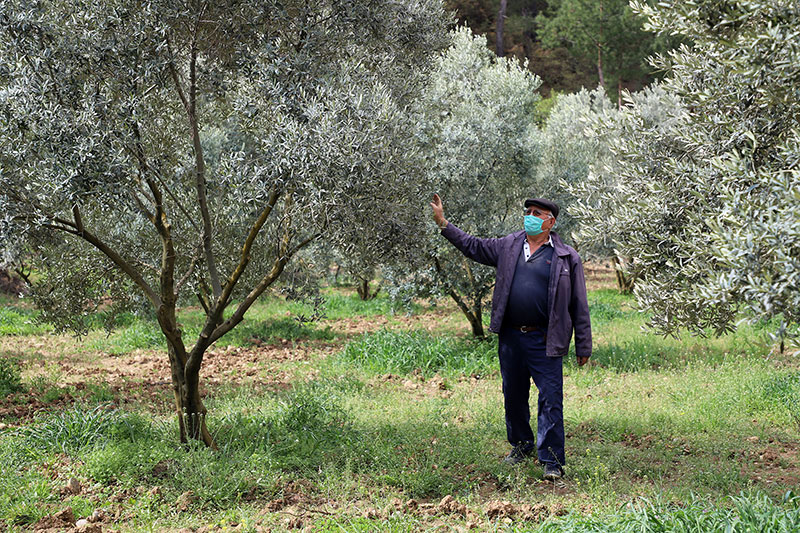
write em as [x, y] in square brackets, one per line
[775, 464]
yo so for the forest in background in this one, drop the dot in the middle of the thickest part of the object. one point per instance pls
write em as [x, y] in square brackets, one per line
[569, 44]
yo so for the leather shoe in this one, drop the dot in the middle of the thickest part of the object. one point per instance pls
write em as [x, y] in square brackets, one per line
[520, 452]
[553, 472]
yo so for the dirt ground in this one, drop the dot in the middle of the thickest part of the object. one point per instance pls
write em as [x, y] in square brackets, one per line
[143, 376]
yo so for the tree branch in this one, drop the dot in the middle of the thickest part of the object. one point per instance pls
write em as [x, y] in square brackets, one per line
[167, 246]
[190, 105]
[450, 290]
[277, 268]
[146, 169]
[175, 76]
[166, 311]
[222, 301]
[150, 216]
[115, 257]
[192, 266]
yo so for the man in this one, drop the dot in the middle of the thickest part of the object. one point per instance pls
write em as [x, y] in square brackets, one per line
[539, 299]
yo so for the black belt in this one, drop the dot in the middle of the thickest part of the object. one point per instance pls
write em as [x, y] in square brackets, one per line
[528, 329]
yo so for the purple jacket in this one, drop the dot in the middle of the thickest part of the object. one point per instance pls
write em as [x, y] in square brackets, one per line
[566, 296]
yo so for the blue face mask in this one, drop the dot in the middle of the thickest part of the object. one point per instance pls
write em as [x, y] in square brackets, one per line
[533, 225]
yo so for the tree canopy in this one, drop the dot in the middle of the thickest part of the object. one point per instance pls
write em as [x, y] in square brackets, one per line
[170, 150]
[711, 218]
[480, 143]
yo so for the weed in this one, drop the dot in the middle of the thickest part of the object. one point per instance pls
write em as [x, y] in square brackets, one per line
[274, 329]
[47, 388]
[10, 379]
[18, 321]
[606, 305]
[402, 352]
[344, 306]
[98, 393]
[73, 429]
[136, 334]
[129, 463]
[22, 488]
[310, 425]
[784, 390]
[750, 512]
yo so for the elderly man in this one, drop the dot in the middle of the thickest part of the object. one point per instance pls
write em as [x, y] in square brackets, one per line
[539, 299]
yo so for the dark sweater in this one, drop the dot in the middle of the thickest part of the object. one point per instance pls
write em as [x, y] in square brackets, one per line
[527, 300]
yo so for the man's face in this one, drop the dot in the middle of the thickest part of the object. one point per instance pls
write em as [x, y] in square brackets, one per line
[544, 214]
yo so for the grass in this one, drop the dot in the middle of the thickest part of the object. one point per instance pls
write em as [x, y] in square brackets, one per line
[19, 320]
[692, 434]
[403, 352]
[270, 320]
[10, 378]
[749, 512]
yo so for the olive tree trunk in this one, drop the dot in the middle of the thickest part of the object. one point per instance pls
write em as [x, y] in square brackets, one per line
[364, 291]
[472, 305]
[625, 281]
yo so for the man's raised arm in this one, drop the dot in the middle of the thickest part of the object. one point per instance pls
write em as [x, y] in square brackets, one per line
[484, 251]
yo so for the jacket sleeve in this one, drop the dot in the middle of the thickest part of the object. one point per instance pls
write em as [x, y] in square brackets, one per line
[484, 251]
[579, 310]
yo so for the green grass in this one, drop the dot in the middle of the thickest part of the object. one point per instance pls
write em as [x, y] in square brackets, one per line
[749, 512]
[339, 305]
[269, 320]
[10, 378]
[20, 321]
[651, 423]
[622, 343]
[403, 352]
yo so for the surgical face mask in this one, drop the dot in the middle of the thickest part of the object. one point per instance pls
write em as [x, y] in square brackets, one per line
[533, 225]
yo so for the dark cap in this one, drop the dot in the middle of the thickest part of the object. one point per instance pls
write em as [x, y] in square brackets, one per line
[545, 204]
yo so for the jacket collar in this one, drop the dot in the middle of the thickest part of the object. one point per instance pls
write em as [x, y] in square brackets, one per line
[559, 248]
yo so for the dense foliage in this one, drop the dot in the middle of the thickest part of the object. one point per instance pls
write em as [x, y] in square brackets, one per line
[710, 189]
[155, 152]
[481, 144]
[604, 195]
[569, 146]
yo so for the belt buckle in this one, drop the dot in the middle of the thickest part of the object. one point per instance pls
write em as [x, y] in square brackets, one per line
[528, 329]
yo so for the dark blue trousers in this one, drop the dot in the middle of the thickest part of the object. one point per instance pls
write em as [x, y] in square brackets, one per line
[522, 357]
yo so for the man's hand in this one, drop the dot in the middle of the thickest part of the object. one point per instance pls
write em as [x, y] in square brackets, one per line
[438, 211]
[582, 360]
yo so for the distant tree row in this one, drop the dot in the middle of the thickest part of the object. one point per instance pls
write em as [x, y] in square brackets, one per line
[569, 44]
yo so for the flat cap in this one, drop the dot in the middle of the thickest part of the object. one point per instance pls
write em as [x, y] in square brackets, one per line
[545, 204]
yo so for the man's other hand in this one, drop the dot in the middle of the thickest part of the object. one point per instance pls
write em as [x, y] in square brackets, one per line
[438, 211]
[582, 360]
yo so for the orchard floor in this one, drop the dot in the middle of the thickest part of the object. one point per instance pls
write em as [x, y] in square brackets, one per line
[375, 419]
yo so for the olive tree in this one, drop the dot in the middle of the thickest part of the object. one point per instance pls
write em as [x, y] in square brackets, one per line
[715, 195]
[153, 152]
[480, 143]
[365, 256]
[569, 147]
[605, 196]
